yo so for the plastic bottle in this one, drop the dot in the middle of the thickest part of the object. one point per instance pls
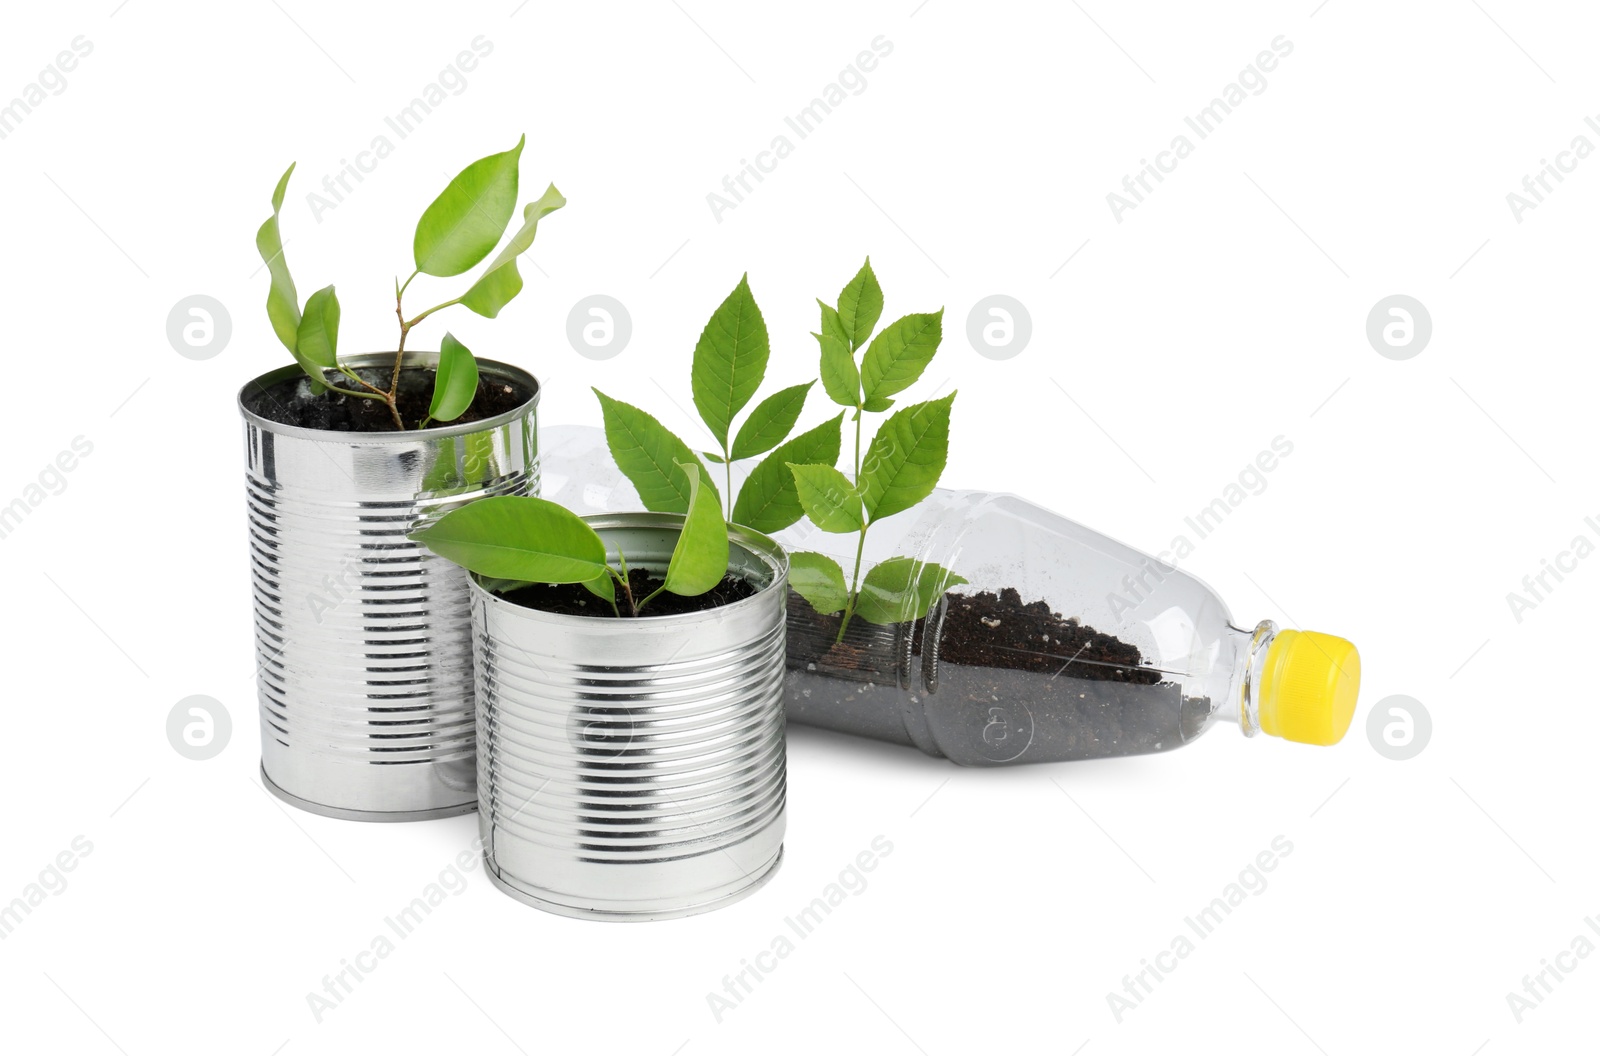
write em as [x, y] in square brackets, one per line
[1063, 644]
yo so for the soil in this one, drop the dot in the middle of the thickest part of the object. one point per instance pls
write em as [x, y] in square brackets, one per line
[1010, 681]
[291, 402]
[573, 599]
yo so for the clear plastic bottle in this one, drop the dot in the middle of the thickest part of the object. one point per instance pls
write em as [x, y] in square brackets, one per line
[1063, 644]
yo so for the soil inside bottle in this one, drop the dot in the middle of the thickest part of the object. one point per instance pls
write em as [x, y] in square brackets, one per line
[1012, 681]
[292, 403]
[573, 599]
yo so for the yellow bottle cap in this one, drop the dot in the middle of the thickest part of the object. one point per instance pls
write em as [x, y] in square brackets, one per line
[1308, 687]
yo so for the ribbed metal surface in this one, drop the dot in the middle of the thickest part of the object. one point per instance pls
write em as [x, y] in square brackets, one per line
[634, 768]
[363, 638]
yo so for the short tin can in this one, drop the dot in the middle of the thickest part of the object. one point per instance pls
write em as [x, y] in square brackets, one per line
[633, 768]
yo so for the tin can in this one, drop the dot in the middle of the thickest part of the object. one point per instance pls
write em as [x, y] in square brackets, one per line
[633, 768]
[363, 637]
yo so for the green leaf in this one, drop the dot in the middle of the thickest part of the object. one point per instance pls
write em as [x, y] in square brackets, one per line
[819, 579]
[282, 188]
[771, 421]
[501, 281]
[283, 303]
[518, 537]
[730, 360]
[904, 461]
[603, 587]
[455, 383]
[503, 586]
[316, 345]
[877, 404]
[898, 356]
[860, 304]
[831, 323]
[841, 378]
[713, 457]
[828, 498]
[902, 589]
[648, 454]
[700, 560]
[469, 216]
[769, 500]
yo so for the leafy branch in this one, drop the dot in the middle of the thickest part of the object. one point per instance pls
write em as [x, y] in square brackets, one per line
[730, 364]
[899, 469]
[456, 232]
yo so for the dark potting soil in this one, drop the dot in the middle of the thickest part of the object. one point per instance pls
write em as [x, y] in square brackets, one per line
[1011, 681]
[291, 402]
[573, 599]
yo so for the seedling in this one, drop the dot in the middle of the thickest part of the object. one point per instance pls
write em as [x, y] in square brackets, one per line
[730, 363]
[901, 467]
[455, 233]
[514, 541]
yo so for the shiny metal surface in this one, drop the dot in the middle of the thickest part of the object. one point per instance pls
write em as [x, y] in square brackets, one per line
[363, 638]
[633, 769]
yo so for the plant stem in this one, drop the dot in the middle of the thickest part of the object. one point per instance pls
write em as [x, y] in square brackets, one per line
[430, 311]
[859, 413]
[727, 464]
[627, 589]
[359, 380]
[399, 354]
[353, 392]
[855, 585]
[400, 349]
[651, 598]
[861, 542]
[374, 392]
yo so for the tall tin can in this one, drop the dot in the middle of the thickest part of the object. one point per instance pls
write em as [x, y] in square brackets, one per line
[363, 637]
[633, 768]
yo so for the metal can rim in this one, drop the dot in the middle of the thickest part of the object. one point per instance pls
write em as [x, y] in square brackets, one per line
[492, 367]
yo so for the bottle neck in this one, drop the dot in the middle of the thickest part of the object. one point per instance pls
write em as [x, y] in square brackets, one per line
[1245, 703]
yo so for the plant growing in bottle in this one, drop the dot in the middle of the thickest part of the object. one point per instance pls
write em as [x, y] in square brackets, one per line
[898, 469]
[1043, 659]
[455, 233]
[729, 367]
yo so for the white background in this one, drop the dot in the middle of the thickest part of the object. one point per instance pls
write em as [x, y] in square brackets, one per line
[1227, 309]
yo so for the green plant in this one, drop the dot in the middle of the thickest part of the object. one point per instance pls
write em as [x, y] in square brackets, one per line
[513, 541]
[455, 233]
[730, 363]
[900, 468]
